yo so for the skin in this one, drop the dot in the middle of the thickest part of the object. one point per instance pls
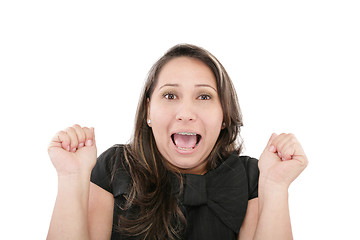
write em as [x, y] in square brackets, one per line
[85, 211]
[185, 99]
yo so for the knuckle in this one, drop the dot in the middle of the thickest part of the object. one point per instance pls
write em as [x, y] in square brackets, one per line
[304, 163]
[292, 137]
[81, 138]
[292, 145]
[70, 130]
[87, 131]
[80, 133]
[61, 133]
[63, 136]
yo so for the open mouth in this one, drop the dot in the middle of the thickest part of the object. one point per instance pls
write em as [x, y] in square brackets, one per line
[186, 140]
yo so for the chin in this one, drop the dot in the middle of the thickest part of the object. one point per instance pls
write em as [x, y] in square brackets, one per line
[188, 165]
[186, 161]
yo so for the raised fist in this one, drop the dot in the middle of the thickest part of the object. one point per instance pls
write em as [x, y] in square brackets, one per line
[73, 150]
[283, 160]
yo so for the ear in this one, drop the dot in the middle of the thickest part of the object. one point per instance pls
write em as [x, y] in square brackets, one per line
[223, 125]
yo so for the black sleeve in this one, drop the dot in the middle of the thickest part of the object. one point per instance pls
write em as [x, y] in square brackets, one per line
[101, 173]
[252, 170]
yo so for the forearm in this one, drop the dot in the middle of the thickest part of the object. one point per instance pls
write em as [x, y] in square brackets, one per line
[69, 219]
[274, 217]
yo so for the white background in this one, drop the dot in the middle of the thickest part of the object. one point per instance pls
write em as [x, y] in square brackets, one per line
[295, 65]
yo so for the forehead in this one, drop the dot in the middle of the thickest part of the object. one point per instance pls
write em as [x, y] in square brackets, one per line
[185, 71]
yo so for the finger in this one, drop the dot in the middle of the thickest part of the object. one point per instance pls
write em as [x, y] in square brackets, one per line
[287, 146]
[73, 139]
[90, 136]
[279, 144]
[279, 141]
[294, 148]
[61, 139]
[269, 145]
[80, 135]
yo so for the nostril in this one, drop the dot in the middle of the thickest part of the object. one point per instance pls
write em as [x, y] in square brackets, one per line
[185, 117]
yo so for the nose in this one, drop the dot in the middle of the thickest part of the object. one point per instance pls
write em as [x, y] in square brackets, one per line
[186, 112]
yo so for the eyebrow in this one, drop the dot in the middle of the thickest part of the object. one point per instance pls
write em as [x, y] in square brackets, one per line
[205, 85]
[177, 85]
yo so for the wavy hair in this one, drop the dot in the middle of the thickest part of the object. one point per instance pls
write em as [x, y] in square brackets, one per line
[158, 215]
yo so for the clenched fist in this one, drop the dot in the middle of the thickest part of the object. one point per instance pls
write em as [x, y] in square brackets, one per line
[73, 150]
[283, 160]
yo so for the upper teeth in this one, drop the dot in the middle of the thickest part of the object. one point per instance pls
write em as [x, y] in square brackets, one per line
[187, 133]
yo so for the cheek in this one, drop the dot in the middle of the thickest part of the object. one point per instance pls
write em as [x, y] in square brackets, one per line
[214, 117]
[160, 119]
[159, 115]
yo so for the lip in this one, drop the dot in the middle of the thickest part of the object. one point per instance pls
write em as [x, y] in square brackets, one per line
[185, 131]
[186, 151]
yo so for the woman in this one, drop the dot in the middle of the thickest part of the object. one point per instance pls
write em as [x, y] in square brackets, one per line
[181, 176]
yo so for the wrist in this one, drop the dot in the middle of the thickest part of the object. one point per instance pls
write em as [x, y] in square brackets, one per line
[73, 176]
[272, 195]
[267, 186]
[78, 182]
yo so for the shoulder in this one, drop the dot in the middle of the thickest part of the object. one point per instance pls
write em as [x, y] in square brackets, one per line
[113, 158]
[248, 168]
[114, 152]
[250, 164]
[252, 173]
[109, 165]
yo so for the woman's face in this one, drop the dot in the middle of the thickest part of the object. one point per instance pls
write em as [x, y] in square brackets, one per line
[185, 113]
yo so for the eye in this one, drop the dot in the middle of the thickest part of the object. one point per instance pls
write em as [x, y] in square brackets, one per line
[204, 97]
[169, 96]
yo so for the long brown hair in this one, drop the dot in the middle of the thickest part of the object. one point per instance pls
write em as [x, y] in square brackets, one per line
[158, 215]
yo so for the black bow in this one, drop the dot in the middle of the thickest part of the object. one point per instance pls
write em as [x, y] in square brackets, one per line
[224, 190]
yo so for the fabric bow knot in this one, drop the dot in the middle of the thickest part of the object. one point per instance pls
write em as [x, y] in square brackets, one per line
[224, 190]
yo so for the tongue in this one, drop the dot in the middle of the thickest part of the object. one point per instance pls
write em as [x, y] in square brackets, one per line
[185, 141]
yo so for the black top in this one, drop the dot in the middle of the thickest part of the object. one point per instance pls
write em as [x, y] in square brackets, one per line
[214, 204]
